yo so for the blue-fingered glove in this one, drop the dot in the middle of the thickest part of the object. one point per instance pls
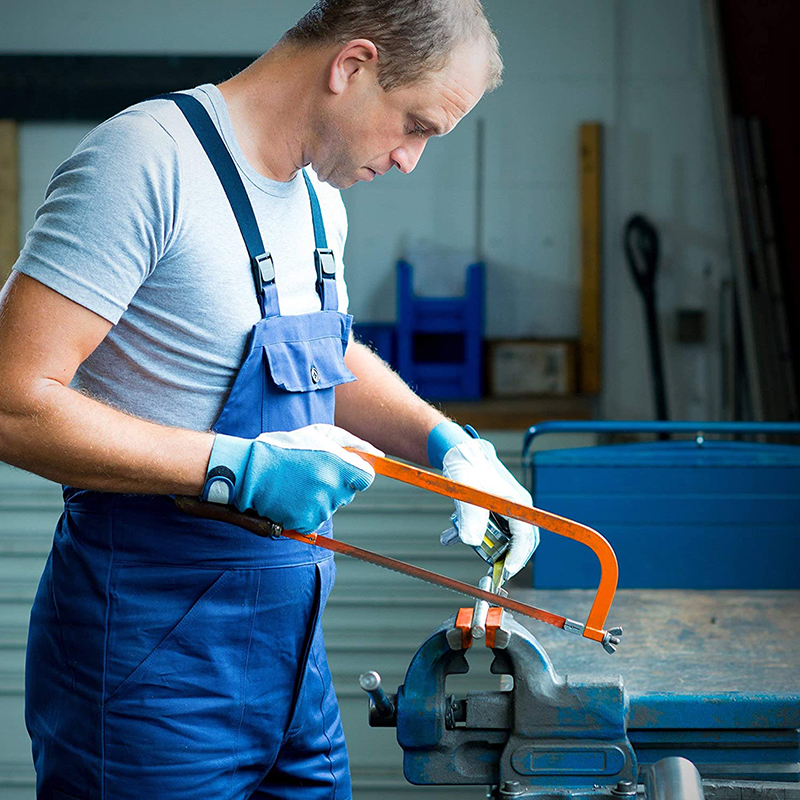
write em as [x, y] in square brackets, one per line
[474, 462]
[295, 478]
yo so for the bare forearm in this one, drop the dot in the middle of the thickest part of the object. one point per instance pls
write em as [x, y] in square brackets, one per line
[56, 432]
[67, 437]
[381, 408]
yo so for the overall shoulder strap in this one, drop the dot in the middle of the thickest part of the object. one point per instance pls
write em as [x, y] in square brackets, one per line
[260, 260]
[323, 256]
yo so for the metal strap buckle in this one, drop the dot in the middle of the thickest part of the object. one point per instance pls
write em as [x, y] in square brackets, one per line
[326, 263]
[265, 268]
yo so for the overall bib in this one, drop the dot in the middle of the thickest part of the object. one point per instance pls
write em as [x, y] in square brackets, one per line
[171, 657]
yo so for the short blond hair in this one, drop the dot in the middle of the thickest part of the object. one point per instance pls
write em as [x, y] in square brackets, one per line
[414, 37]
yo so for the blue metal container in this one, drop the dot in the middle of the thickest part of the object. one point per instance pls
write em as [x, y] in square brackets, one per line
[680, 514]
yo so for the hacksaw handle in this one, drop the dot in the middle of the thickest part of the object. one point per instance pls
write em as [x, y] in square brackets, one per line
[261, 526]
[248, 520]
[433, 482]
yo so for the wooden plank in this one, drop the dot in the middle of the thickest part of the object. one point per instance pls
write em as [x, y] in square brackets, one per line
[591, 155]
[9, 197]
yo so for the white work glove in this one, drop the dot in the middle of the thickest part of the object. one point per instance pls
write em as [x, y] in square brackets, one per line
[295, 478]
[474, 462]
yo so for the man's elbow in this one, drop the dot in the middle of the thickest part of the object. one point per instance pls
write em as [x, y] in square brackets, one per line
[24, 406]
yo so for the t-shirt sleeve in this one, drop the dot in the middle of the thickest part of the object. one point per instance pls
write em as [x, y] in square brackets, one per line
[109, 215]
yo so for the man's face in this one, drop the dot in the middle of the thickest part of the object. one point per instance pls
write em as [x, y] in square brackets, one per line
[368, 130]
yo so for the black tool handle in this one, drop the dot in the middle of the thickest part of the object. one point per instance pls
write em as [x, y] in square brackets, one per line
[642, 250]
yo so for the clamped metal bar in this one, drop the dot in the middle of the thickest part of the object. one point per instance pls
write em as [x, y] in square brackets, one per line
[466, 621]
[481, 609]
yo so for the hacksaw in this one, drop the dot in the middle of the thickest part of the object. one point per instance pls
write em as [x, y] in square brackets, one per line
[433, 482]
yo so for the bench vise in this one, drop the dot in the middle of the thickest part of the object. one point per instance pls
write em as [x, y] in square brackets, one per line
[546, 736]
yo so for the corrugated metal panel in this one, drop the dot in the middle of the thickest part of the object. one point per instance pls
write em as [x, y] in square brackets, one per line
[29, 509]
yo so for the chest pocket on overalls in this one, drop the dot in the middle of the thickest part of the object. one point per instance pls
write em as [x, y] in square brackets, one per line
[307, 366]
[304, 362]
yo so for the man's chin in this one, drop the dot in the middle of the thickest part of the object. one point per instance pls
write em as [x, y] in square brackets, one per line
[345, 178]
[339, 182]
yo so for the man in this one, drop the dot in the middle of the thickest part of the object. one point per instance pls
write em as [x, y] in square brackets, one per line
[176, 325]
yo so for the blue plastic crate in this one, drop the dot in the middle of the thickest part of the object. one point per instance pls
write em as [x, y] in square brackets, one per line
[450, 328]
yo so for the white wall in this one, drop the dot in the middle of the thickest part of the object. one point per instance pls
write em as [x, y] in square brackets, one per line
[638, 66]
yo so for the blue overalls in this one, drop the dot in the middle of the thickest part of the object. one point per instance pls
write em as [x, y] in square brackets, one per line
[170, 657]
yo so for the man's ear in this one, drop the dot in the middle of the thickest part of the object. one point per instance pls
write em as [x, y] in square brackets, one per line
[350, 62]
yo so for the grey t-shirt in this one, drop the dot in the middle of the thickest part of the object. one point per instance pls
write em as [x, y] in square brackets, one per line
[137, 228]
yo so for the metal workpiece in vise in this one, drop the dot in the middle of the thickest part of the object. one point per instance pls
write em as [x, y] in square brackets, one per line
[548, 736]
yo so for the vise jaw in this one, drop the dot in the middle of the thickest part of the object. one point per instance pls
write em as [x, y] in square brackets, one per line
[547, 737]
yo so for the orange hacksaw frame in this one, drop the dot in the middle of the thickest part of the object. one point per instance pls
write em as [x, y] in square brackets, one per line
[433, 482]
[609, 570]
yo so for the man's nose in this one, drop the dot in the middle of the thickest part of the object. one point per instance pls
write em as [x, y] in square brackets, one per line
[407, 157]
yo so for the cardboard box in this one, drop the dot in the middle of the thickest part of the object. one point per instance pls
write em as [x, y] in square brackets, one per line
[520, 367]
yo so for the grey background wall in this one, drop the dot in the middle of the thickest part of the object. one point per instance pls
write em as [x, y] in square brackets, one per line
[637, 66]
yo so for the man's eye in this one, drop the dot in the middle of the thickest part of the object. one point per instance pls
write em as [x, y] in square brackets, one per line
[418, 130]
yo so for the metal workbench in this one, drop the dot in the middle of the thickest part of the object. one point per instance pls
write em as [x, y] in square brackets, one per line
[715, 673]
